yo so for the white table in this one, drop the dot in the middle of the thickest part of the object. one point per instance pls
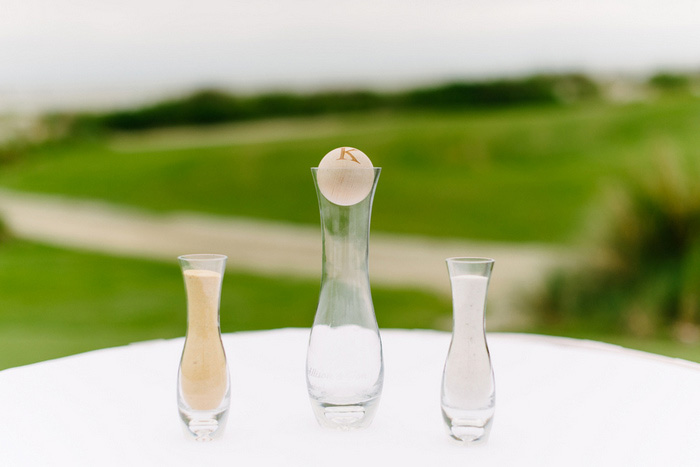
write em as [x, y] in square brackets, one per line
[559, 402]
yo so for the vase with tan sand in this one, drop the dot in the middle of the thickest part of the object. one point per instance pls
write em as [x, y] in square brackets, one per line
[203, 386]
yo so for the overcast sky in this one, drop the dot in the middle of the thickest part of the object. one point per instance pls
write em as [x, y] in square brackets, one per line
[54, 45]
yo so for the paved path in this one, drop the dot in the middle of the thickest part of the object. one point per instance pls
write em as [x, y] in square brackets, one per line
[272, 248]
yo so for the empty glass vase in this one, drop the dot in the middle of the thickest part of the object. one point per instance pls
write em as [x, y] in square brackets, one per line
[468, 394]
[203, 386]
[344, 366]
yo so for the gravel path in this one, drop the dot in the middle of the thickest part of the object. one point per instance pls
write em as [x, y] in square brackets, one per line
[274, 248]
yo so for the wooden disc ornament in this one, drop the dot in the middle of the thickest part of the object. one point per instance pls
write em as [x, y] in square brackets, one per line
[345, 176]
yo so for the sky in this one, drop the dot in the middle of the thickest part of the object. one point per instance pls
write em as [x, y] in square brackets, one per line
[84, 47]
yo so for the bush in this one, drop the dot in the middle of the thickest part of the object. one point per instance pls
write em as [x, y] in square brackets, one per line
[670, 82]
[43, 131]
[500, 93]
[11, 152]
[201, 108]
[4, 232]
[641, 273]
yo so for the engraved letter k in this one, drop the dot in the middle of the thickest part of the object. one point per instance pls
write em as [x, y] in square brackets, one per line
[347, 151]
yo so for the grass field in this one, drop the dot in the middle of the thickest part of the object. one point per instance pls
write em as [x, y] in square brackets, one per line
[62, 302]
[522, 175]
[56, 302]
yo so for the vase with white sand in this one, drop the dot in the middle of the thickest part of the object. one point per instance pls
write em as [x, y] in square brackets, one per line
[468, 395]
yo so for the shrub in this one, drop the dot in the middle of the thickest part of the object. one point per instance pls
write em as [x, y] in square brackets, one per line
[42, 131]
[10, 152]
[670, 81]
[200, 108]
[502, 93]
[4, 232]
[641, 272]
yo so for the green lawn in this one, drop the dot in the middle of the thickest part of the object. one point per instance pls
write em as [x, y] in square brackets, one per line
[509, 175]
[56, 302]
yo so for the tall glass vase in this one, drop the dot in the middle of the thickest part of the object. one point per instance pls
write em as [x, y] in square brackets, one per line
[468, 388]
[203, 386]
[344, 365]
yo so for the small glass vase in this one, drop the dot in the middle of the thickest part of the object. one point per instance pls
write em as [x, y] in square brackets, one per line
[203, 385]
[468, 393]
[344, 365]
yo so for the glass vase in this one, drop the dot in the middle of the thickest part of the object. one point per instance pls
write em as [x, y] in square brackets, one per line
[203, 385]
[468, 389]
[344, 365]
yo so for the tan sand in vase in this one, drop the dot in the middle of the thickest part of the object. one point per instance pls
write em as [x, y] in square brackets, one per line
[203, 374]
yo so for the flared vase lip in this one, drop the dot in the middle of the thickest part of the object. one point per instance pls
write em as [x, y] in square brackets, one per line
[346, 168]
[202, 257]
[470, 260]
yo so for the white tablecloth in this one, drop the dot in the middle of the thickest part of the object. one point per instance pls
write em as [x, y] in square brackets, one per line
[559, 402]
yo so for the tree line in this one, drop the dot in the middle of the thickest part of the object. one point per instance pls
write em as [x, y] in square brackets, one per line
[212, 106]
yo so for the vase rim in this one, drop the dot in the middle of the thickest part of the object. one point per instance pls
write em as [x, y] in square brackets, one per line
[470, 259]
[202, 257]
[346, 168]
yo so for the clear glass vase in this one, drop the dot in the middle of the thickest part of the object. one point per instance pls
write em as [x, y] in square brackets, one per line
[203, 385]
[344, 365]
[468, 393]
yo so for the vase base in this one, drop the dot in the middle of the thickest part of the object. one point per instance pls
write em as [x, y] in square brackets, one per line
[469, 435]
[345, 417]
[469, 427]
[204, 425]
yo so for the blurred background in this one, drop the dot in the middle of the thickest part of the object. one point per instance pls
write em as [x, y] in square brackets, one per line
[561, 138]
